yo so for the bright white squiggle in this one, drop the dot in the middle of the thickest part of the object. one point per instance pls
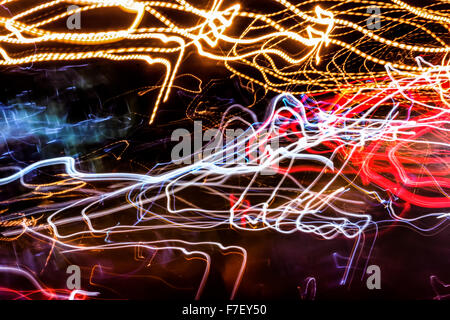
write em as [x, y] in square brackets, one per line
[289, 205]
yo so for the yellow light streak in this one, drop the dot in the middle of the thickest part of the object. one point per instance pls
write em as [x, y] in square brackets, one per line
[260, 43]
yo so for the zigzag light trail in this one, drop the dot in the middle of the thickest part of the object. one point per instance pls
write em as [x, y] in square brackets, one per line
[305, 212]
[351, 154]
[209, 39]
[352, 133]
